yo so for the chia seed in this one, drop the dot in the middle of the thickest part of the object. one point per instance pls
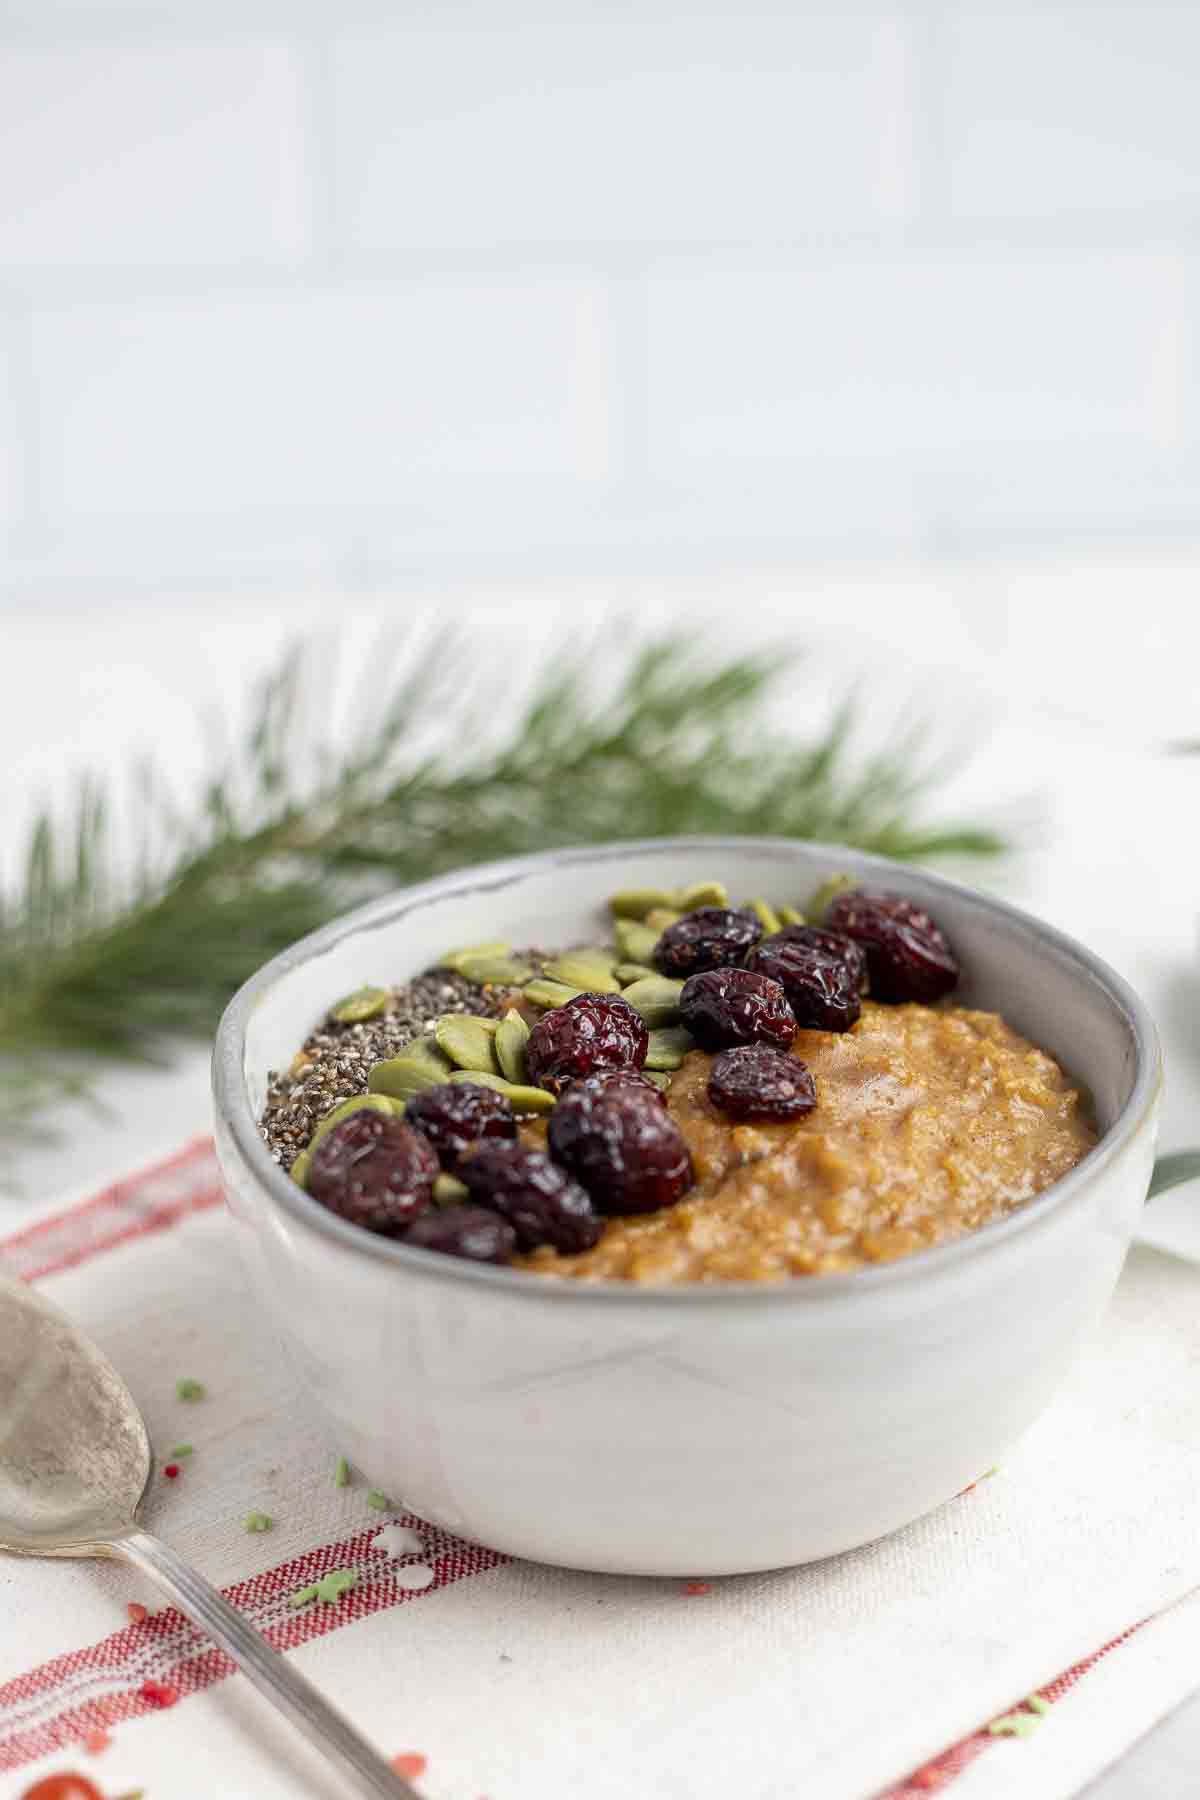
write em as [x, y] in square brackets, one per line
[334, 1061]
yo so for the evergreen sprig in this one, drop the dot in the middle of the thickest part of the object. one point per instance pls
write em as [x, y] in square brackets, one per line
[108, 953]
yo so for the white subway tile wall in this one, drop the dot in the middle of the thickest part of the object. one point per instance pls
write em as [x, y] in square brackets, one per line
[1081, 108]
[11, 496]
[288, 291]
[151, 156]
[631, 132]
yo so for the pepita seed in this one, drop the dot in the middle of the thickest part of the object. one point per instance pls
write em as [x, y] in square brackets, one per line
[703, 893]
[493, 971]
[467, 1041]
[448, 1190]
[381, 1103]
[452, 958]
[364, 1003]
[790, 915]
[420, 1065]
[299, 1169]
[766, 915]
[635, 903]
[659, 917]
[549, 993]
[668, 1047]
[524, 1099]
[627, 972]
[589, 970]
[657, 999]
[510, 1040]
[826, 894]
[635, 941]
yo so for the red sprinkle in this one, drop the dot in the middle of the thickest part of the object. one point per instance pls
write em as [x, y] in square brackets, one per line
[137, 1612]
[410, 1762]
[158, 1693]
[171, 1471]
[96, 1741]
[697, 1587]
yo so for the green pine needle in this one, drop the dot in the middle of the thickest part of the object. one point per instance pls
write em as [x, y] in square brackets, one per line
[101, 960]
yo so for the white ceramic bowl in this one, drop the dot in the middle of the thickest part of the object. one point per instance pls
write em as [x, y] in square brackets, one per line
[701, 1430]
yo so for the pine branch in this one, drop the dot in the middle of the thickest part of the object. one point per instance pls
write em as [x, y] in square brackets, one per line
[109, 955]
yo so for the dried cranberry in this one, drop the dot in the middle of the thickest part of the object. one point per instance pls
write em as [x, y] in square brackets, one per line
[591, 1032]
[755, 1082]
[736, 1006]
[470, 1231]
[908, 956]
[833, 943]
[455, 1114]
[622, 1145]
[712, 937]
[820, 984]
[538, 1198]
[374, 1170]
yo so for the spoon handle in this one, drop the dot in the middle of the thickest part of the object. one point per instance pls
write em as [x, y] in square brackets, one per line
[270, 1672]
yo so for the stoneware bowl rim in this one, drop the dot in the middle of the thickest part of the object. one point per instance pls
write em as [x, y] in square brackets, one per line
[234, 1110]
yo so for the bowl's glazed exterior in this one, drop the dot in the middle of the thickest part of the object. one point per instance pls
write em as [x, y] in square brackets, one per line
[703, 1430]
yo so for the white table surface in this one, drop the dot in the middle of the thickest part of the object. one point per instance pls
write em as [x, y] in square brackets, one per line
[1068, 702]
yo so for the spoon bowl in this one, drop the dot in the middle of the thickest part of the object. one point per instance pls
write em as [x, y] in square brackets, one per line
[74, 1454]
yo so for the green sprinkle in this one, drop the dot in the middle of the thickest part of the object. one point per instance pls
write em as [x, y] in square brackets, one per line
[180, 1450]
[1039, 1704]
[379, 1501]
[1018, 1725]
[256, 1521]
[341, 1476]
[187, 1389]
[331, 1587]
[303, 1596]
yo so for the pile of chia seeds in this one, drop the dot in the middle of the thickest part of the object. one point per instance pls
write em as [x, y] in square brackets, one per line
[334, 1061]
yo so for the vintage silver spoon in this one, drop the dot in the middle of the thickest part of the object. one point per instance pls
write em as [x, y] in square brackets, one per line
[74, 1463]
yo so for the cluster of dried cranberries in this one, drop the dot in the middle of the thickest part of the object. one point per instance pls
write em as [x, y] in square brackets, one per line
[612, 1145]
[801, 975]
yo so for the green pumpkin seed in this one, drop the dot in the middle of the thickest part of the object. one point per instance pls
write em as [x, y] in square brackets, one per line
[380, 1103]
[704, 893]
[364, 1003]
[592, 971]
[660, 917]
[766, 915]
[467, 1042]
[790, 915]
[549, 993]
[659, 1077]
[635, 903]
[493, 971]
[524, 1099]
[668, 1047]
[511, 1039]
[635, 941]
[452, 958]
[627, 972]
[657, 999]
[420, 1065]
[826, 894]
[299, 1169]
[448, 1190]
